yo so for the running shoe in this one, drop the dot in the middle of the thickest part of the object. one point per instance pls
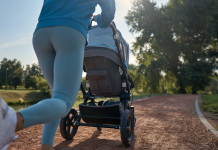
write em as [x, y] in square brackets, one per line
[8, 121]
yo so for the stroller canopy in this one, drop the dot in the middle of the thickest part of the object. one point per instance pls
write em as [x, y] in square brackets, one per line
[101, 41]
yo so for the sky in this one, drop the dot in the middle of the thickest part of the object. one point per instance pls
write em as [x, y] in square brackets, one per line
[19, 19]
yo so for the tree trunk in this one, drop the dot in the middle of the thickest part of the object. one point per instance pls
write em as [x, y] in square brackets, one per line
[194, 90]
[181, 86]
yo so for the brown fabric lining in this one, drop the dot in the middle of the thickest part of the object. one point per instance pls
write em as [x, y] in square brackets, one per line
[96, 75]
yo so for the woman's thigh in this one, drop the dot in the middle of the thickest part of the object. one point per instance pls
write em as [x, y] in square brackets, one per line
[45, 53]
[60, 52]
[69, 45]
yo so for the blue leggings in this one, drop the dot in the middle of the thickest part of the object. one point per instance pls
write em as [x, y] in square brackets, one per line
[60, 52]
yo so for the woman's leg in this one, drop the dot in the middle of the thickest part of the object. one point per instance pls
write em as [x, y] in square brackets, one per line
[63, 69]
[68, 45]
[48, 133]
[46, 55]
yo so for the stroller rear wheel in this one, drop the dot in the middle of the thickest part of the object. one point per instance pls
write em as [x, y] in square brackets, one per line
[127, 128]
[67, 130]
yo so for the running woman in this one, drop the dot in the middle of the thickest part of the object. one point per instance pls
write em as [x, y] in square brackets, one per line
[59, 41]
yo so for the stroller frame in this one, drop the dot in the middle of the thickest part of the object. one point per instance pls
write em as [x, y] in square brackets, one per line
[127, 132]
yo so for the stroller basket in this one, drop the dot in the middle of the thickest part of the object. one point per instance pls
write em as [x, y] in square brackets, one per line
[94, 114]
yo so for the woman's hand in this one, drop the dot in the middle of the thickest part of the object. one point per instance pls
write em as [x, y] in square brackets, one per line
[94, 17]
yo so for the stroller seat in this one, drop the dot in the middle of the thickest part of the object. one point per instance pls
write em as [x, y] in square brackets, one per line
[102, 62]
[103, 76]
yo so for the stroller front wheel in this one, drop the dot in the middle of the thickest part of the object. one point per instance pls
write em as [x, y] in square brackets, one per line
[127, 127]
[67, 130]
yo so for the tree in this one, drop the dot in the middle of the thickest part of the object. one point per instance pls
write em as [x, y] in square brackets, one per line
[30, 71]
[32, 82]
[175, 40]
[132, 67]
[33, 70]
[14, 72]
[132, 71]
[42, 83]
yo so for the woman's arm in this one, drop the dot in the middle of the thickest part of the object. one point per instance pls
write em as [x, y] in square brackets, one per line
[107, 15]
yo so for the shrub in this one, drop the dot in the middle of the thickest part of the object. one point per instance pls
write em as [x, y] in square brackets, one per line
[31, 82]
[46, 92]
[41, 83]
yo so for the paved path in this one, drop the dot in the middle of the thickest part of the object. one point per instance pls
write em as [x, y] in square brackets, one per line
[165, 122]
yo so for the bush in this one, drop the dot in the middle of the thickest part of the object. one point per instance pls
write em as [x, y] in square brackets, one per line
[46, 92]
[31, 82]
[41, 83]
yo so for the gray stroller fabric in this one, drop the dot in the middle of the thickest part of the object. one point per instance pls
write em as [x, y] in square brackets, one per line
[102, 40]
[102, 62]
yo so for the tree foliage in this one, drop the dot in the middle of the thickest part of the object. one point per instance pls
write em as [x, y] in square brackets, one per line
[12, 70]
[177, 40]
[32, 75]
[42, 83]
[132, 71]
[32, 82]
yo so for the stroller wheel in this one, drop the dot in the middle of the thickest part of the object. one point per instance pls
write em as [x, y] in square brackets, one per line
[127, 127]
[67, 130]
[99, 128]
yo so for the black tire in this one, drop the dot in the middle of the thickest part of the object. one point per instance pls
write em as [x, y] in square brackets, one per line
[127, 128]
[68, 132]
[99, 128]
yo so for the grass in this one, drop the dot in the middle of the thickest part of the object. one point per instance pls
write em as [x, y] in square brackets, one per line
[210, 103]
[15, 95]
[19, 99]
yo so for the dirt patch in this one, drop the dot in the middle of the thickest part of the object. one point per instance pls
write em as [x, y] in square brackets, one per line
[211, 117]
[166, 122]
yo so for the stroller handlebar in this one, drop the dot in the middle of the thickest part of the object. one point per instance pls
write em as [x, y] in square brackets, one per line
[112, 25]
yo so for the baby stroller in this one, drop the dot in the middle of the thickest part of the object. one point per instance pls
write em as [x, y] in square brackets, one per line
[105, 62]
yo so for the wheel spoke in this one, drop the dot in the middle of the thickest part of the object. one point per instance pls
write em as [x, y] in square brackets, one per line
[68, 123]
[71, 132]
[130, 125]
[129, 128]
[68, 129]
[71, 119]
[68, 117]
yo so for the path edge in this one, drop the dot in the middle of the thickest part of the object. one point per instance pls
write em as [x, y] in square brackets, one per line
[204, 120]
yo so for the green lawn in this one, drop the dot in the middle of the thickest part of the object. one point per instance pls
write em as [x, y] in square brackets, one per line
[15, 95]
[210, 103]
